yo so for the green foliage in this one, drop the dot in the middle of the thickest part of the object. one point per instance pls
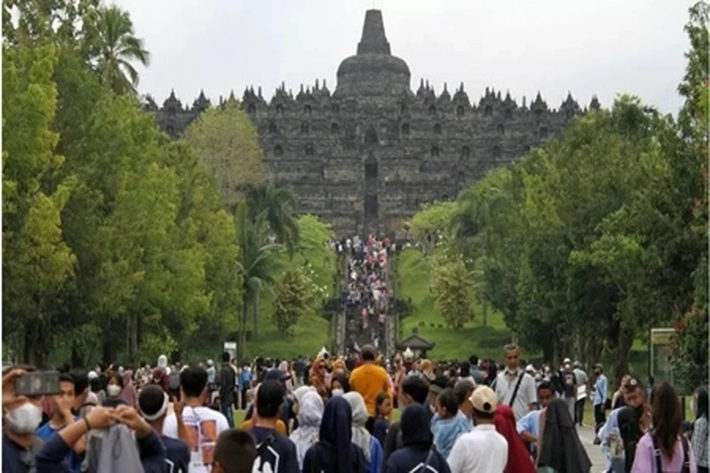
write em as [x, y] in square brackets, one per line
[452, 289]
[429, 224]
[225, 140]
[112, 46]
[293, 296]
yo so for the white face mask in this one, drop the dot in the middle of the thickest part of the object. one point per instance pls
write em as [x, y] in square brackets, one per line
[337, 392]
[113, 390]
[25, 419]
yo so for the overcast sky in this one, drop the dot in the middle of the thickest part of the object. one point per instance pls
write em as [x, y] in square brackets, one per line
[588, 47]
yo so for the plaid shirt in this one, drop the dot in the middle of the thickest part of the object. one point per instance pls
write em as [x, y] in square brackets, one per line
[700, 441]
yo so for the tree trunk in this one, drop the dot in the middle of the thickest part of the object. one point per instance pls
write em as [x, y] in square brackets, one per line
[243, 329]
[77, 357]
[256, 313]
[107, 342]
[485, 314]
[624, 343]
[133, 339]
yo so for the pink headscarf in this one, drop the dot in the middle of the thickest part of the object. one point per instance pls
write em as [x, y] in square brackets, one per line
[128, 395]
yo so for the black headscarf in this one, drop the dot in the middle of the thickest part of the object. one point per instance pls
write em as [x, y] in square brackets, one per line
[335, 452]
[560, 446]
[415, 427]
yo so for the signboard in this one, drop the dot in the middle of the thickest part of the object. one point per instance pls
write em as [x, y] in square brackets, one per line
[231, 348]
[661, 347]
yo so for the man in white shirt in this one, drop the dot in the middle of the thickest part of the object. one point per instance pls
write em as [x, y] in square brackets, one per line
[483, 450]
[514, 387]
[202, 425]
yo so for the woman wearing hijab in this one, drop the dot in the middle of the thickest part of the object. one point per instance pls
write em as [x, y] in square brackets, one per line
[316, 377]
[310, 413]
[519, 460]
[560, 448]
[361, 437]
[128, 395]
[335, 452]
[417, 440]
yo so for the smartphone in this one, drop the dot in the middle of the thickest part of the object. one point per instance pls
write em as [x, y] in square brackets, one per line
[37, 383]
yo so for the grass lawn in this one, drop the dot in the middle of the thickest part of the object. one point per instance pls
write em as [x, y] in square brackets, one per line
[413, 276]
[310, 333]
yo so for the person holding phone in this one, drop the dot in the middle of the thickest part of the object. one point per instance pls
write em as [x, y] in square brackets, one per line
[22, 416]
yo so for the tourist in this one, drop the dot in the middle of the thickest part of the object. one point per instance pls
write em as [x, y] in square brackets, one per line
[369, 379]
[153, 406]
[413, 391]
[465, 373]
[664, 449]
[310, 414]
[252, 415]
[417, 453]
[463, 388]
[610, 435]
[245, 379]
[273, 448]
[384, 411]
[601, 386]
[581, 380]
[559, 447]
[114, 387]
[235, 452]
[619, 396]
[335, 452]
[700, 439]
[339, 384]
[634, 419]
[514, 387]
[447, 425]
[483, 450]
[317, 376]
[205, 423]
[519, 460]
[370, 446]
[569, 387]
[226, 389]
[61, 417]
[529, 426]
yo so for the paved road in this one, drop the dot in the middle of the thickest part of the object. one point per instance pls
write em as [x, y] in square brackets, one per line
[586, 436]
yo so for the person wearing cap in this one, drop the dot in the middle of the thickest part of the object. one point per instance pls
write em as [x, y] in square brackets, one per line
[153, 406]
[569, 386]
[513, 386]
[610, 434]
[601, 386]
[634, 419]
[483, 450]
[370, 379]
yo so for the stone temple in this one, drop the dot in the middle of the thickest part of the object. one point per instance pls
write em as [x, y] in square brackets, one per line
[367, 155]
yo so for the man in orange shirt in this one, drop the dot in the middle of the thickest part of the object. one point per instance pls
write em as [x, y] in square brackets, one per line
[370, 379]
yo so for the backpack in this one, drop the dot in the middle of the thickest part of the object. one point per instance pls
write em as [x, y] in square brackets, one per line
[686, 457]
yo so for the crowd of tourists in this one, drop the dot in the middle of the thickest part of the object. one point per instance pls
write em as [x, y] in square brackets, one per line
[366, 295]
[336, 414]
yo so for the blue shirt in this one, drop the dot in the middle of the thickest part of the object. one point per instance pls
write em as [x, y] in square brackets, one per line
[72, 459]
[529, 422]
[600, 388]
[245, 379]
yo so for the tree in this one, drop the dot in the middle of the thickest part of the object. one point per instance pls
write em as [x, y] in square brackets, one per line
[113, 47]
[313, 238]
[277, 205]
[452, 289]
[225, 140]
[257, 265]
[37, 263]
[292, 300]
[428, 225]
[691, 355]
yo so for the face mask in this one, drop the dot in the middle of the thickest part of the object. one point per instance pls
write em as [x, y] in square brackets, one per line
[113, 390]
[25, 419]
[338, 392]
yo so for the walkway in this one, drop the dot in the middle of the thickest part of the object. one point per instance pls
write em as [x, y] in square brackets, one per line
[586, 435]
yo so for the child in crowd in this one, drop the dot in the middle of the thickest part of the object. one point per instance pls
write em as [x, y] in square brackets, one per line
[449, 426]
[383, 405]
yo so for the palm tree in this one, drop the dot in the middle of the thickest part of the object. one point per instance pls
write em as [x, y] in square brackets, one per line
[114, 47]
[257, 264]
[277, 204]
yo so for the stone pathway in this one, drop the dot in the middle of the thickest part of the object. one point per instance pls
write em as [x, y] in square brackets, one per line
[586, 436]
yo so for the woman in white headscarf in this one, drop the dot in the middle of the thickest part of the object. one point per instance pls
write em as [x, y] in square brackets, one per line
[310, 414]
[361, 437]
